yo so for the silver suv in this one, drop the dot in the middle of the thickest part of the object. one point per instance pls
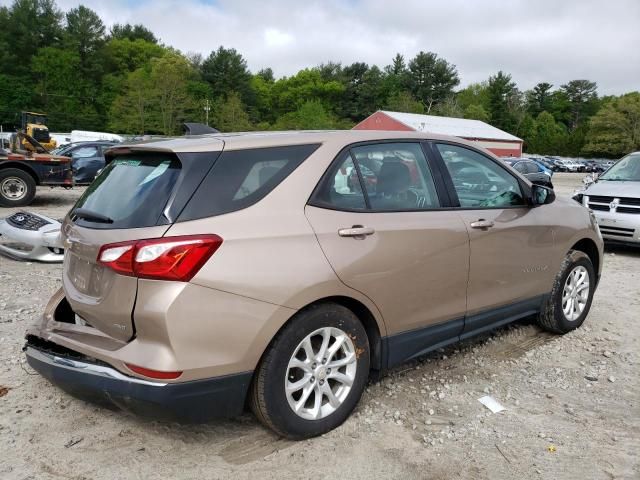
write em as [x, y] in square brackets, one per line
[614, 197]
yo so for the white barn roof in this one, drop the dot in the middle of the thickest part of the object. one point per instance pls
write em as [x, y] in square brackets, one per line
[457, 127]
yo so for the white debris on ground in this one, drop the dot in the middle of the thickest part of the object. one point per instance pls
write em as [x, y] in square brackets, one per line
[572, 404]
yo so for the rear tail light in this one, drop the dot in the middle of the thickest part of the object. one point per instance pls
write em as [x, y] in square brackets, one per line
[167, 258]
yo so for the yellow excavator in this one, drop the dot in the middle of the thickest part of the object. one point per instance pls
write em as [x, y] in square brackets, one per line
[35, 126]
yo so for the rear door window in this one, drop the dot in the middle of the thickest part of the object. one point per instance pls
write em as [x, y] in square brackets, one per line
[240, 178]
[131, 191]
[396, 176]
[385, 177]
[341, 189]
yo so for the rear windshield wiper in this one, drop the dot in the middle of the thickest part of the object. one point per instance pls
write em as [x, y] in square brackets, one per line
[91, 216]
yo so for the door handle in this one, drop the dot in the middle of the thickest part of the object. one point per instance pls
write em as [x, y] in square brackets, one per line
[357, 231]
[482, 224]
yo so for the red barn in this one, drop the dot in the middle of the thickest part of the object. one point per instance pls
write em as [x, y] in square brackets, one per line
[493, 139]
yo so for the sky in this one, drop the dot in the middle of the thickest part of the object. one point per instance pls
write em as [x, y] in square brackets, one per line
[533, 40]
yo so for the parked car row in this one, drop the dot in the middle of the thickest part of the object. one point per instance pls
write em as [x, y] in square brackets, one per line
[567, 165]
[535, 172]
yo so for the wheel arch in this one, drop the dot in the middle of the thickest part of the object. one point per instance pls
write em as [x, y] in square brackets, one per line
[360, 310]
[369, 322]
[589, 247]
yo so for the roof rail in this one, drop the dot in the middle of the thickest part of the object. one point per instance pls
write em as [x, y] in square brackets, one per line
[197, 129]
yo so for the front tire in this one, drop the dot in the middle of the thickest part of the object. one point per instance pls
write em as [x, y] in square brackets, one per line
[17, 188]
[571, 296]
[313, 374]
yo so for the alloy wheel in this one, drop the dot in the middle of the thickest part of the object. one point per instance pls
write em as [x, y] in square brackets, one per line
[320, 373]
[575, 293]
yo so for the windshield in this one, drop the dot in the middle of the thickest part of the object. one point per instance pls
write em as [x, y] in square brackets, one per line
[627, 169]
[131, 191]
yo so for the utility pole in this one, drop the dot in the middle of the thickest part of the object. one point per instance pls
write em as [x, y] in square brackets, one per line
[206, 110]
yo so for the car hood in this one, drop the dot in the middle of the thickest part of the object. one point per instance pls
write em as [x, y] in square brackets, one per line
[614, 189]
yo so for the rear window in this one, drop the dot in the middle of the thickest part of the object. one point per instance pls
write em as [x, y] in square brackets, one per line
[240, 178]
[131, 191]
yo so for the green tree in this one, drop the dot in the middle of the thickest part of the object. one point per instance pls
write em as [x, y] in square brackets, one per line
[132, 32]
[5, 41]
[267, 75]
[130, 110]
[121, 56]
[226, 71]
[363, 91]
[539, 99]
[431, 79]
[615, 130]
[476, 112]
[170, 79]
[85, 35]
[583, 100]
[500, 91]
[29, 26]
[449, 107]
[310, 116]
[231, 115]
[290, 93]
[474, 94]
[404, 102]
[547, 135]
[394, 79]
[55, 71]
[262, 86]
[397, 67]
[330, 71]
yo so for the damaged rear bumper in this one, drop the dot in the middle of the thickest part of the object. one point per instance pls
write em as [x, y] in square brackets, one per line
[31, 237]
[94, 381]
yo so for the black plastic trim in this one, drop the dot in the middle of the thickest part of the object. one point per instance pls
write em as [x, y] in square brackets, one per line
[497, 317]
[405, 346]
[187, 402]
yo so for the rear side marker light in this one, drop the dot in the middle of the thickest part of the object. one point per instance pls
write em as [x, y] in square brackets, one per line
[166, 258]
[158, 375]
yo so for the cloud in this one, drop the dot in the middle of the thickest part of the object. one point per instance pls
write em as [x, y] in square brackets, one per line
[542, 40]
[274, 38]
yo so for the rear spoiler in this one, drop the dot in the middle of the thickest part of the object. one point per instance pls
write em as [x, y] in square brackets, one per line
[198, 129]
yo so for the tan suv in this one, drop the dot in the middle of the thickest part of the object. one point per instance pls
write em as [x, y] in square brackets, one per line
[280, 270]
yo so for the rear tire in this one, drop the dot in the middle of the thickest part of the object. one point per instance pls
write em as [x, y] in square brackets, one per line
[291, 390]
[571, 296]
[17, 188]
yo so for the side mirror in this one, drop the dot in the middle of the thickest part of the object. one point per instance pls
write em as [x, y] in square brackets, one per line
[588, 180]
[542, 195]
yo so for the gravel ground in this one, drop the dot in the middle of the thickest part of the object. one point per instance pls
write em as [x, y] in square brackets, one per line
[572, 404]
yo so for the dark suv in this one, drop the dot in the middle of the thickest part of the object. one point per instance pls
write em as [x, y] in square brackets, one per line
[87, 159]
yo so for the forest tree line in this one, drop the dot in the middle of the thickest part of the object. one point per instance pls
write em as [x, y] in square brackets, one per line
[123, 79]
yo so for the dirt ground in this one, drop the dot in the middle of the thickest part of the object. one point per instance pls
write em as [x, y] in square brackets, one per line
[572, 404]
